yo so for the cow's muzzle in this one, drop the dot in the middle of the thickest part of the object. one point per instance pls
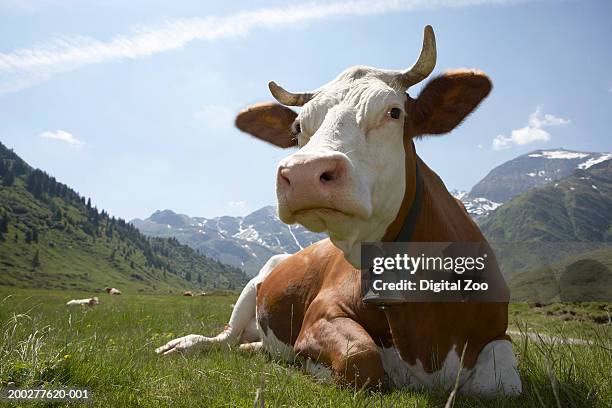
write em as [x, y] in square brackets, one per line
[319, 183]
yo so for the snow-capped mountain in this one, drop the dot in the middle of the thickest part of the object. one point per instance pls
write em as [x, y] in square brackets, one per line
[246, 242]
[534, 169]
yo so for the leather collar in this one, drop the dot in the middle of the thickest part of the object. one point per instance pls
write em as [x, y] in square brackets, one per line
[410, 221]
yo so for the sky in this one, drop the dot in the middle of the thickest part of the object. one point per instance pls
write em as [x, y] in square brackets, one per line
[132, 103]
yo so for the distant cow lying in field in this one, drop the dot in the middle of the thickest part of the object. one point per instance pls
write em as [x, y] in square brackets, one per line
[113, 291]
[356, 175]
[84, 302]
[188, 293]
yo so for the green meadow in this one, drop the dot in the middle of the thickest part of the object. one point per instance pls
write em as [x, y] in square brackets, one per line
[109, 349]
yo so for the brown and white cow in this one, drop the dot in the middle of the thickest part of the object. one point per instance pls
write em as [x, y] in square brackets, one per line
[354, 177]
[112, 291]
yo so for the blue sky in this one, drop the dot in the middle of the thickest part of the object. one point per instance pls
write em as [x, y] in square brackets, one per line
[133, 105]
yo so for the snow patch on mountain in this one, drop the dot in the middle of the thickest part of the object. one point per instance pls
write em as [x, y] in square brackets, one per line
[249, 234]
[477, 207]
[595, 160]
[560, 154]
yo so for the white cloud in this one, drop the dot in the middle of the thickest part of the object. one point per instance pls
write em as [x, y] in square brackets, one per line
[216, 116]
[520, 137]
[501, 142]
[539, 120]
[533, 132]
[238, 204]
[27, 67]
[62, 136]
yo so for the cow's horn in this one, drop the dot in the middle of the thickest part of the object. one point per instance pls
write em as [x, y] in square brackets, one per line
[425, 64]
[288, 98]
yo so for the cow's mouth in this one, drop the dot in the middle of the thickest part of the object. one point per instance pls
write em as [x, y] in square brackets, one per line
[320, 219]
[323, 211]
[317, 218]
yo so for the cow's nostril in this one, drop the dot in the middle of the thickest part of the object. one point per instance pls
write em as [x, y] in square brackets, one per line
[327, 176]
[283, 177]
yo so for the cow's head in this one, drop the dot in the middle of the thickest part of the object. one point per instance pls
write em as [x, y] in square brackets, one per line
[349, 176]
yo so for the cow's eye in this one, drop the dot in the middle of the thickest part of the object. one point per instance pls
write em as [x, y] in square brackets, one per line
[395, 113]
[296, 129]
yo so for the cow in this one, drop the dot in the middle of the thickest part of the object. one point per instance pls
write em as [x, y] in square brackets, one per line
[356, 176]
[112, 291]
[188, 293]
[83, 302]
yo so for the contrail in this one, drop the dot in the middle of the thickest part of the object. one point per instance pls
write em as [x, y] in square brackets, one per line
[24, 68]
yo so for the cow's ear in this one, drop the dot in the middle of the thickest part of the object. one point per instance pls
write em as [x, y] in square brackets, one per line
[270, 122]
[446, 100]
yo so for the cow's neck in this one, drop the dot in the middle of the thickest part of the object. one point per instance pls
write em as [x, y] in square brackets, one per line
[439, 218]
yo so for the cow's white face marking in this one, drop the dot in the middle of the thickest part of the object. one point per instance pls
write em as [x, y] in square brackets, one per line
[351, 118]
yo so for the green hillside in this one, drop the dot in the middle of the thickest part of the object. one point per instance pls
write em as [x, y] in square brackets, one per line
[583, 277]
[51, 237]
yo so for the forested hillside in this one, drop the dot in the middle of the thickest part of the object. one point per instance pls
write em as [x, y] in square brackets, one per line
[50, 236]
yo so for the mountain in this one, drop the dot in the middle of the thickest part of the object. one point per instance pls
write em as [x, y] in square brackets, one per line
[577, 208]
[245, 242]
[555, 242]
[52, 237]
[534, 169]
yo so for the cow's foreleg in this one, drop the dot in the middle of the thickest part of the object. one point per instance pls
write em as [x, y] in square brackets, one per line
[340, 349]
[241, 325]
[251, 347]
[243, 316]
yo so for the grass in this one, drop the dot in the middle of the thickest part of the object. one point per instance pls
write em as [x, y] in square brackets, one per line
[574, 320]
[109, 350]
